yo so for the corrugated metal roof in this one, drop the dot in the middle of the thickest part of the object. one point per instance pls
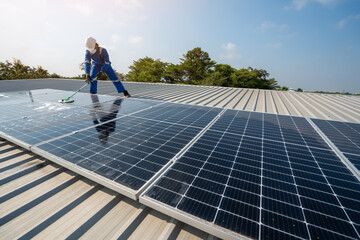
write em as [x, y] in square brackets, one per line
[42, 200]
[315, 105]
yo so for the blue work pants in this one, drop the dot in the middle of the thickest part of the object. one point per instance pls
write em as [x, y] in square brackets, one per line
[95, 69]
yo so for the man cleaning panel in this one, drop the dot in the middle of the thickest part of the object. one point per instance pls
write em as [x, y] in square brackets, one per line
[100, 64]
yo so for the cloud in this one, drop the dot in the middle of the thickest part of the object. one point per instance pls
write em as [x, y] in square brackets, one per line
[301, 4]
[283, 27]
[326, 2]
[267, 25]
[274, 45]
[109, 47]
[297, 4]
[82, 8]
[230, 56]
[290, 35]
[230, 52]
[133, 40]
[128, 4]
[117, 39]
[229, 46]
[343, 22]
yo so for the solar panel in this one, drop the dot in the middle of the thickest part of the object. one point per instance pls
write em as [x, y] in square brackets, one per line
[35, 129]
[261, 176]
[128, 151]
[345, 136]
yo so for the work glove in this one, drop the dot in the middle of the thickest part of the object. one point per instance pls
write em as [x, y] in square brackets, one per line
[99, 75]
[88, 79]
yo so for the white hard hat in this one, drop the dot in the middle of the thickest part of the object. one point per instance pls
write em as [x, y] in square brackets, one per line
[90, 44]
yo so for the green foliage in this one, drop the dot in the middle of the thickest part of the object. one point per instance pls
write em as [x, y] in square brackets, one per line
[17, 70]
[174, 74]
[283, 88]
[299, 90]
[146, 70]
[341, 93]
[196, 65]
[221, 76]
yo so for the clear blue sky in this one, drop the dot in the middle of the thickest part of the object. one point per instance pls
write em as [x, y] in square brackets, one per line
[309, 44]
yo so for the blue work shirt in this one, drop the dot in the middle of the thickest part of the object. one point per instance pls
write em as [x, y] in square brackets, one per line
[100, 58]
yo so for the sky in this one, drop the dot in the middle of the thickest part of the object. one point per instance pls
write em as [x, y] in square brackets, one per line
[308, 44]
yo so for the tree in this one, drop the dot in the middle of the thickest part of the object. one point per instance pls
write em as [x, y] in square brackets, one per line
[253, 78]
[196, 64]
[146, 70]
[283, 88]
[220, 76]
[299, 90]
[17, 70]
[174, 73]
[245, 78]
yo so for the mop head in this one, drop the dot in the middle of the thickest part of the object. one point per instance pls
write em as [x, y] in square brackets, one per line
[66, 100]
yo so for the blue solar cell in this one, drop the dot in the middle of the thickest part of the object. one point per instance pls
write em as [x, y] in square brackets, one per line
[197, 209]
[241, 209]
[287, 197]
[292, 211]
[209, 185]
[289, 225]
[270, 233]
[320, 233]
[168, 197]
[336, 225]
[238, 224]
[322, 207]
[242, 196]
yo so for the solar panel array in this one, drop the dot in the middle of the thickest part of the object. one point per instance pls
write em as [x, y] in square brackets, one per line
[138, 145]
[234, 173]
[266, 177]
[345, 136]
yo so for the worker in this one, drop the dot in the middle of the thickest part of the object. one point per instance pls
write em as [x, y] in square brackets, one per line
[100, 64]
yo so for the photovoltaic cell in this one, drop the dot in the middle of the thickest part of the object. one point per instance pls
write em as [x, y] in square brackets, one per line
[263, 176]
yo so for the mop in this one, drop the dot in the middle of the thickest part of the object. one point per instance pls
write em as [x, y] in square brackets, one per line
[69, 99]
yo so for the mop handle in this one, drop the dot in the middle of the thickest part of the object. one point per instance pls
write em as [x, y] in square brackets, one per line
[79, 89]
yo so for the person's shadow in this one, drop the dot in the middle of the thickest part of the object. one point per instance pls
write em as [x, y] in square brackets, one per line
[102, 119]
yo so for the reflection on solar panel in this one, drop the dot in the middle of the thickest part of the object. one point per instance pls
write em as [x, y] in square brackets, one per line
[41, 127]
[345, 136]
[262, 176]
[24, 104]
